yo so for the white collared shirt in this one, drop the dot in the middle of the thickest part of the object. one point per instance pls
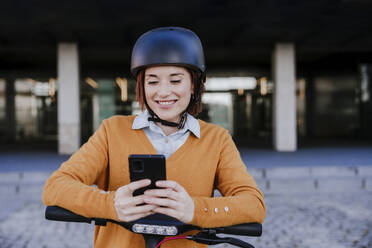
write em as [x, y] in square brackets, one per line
[163, 144]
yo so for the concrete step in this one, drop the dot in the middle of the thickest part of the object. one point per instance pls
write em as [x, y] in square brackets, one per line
[311, 172]
[24, 177]
[312, 185]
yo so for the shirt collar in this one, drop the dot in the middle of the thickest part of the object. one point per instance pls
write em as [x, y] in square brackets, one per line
[141, 121]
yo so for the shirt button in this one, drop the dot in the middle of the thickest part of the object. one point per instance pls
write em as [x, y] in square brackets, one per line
[226, 209]
[216, 210]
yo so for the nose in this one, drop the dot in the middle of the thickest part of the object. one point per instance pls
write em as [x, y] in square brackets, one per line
[164, 89]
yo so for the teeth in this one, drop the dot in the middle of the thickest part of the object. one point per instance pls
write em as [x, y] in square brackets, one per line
[165, 103]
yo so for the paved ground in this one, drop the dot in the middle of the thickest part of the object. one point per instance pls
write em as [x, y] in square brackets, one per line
[339, 220]
[332, 220]
[316, 206]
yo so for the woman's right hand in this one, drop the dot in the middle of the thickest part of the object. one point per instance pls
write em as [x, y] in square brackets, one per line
[127, 206]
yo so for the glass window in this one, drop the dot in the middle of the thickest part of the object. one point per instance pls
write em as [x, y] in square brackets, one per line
[219, 109]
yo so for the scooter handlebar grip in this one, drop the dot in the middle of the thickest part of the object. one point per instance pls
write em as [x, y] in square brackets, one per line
[61, 214]
[246, 229]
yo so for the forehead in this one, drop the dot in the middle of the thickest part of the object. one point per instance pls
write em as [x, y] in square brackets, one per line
[165, 70]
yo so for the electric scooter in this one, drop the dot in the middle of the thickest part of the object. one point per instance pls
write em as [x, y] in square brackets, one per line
[159, 228]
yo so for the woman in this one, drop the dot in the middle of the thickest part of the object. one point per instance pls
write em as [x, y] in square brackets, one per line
[170, 70]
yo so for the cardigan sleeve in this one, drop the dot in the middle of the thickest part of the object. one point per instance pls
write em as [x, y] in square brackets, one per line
[241, 200]
[71, 187]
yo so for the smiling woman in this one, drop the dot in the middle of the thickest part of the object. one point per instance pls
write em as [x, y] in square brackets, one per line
[200, 157]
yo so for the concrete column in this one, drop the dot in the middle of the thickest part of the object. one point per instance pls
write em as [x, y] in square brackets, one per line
[10, 110]
[68, 98]
[284, 104]
[95, 119]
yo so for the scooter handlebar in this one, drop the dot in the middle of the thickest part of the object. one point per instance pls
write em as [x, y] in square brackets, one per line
[60, 214]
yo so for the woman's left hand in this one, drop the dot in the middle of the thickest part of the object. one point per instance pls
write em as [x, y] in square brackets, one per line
[172, 199]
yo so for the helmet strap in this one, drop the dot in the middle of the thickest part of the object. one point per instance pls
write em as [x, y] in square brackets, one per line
[203, 77]
[179, 125]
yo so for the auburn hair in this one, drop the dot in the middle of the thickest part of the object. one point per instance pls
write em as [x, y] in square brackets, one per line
[195, 105]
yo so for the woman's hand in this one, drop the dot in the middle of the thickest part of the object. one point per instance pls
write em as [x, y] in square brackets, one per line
[172, 200]
[127, 206]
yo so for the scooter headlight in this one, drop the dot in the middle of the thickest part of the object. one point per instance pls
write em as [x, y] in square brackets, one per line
[155, 229]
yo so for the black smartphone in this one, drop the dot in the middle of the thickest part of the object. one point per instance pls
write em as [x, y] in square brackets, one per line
[146, 167]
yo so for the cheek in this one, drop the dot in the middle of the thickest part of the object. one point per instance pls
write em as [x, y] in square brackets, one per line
[148, 93]
[186, 90]
[188, 94]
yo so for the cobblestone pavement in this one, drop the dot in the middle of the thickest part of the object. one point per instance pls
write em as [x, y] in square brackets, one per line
[318, 220]
[341, 219]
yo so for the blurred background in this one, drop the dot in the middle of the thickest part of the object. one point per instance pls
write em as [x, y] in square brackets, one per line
[290, 80]
[307, 62]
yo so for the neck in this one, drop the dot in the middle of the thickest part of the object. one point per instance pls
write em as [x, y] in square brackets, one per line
[167, 130]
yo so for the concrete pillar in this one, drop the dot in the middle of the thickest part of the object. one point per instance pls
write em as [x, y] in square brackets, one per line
[284, 104]
[68, 98]
[10, 110]
[95, 119]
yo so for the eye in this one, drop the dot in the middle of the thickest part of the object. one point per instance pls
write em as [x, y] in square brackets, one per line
[175, 81]
[152, 82]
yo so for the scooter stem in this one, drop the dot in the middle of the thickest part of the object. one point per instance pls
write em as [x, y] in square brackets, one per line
[152, 240]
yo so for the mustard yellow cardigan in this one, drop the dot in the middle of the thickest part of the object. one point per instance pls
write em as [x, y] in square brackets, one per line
[199, 165]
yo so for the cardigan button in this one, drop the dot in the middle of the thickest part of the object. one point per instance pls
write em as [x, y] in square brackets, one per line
[216, 210]
[205, 209]
[226, 209]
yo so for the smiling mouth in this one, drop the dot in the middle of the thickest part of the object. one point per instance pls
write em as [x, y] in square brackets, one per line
[168, 102]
